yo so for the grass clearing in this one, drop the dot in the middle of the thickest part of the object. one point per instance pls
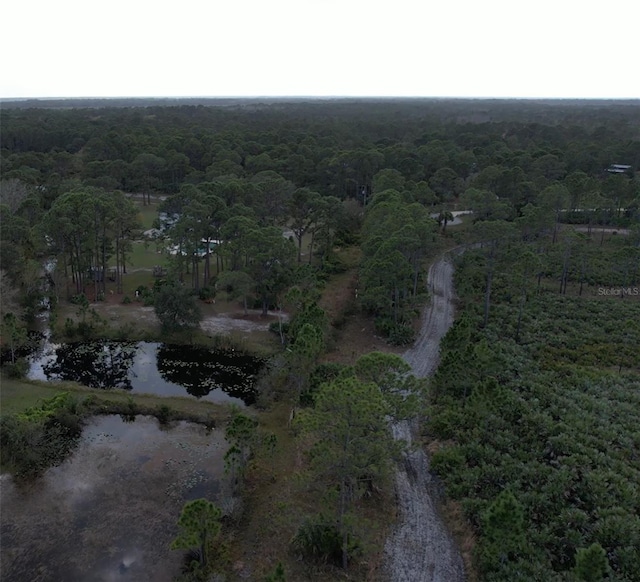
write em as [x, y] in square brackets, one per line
[147, 213]
[144, 255]
[18, 395]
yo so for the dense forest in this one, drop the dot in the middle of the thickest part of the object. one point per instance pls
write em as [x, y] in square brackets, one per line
[307, 165]
[532, 413]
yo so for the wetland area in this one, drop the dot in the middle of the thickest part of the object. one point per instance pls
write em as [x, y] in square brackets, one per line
[108, 512]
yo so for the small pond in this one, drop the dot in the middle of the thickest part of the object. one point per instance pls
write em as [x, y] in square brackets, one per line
[109, 512]
[224, 376]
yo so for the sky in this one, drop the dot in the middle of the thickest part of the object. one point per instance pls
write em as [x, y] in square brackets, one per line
[412, 48]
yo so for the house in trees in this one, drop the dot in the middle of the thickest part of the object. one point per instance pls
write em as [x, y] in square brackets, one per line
[619, 169]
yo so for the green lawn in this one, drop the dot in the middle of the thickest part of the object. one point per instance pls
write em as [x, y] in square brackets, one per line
[147, 214]
[144, 255]
[18, 395]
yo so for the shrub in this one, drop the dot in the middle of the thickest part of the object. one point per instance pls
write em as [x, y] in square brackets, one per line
[159, 284]
[278, 575]
[199, 528]
[131, 405]
[384, 325]
[41, 436]
[80, 299]
[591, 563]
[206, 293]
[67, 422]
[398, 334]
[276, 326]
[176, 308]
[401, 335]
[333, 266]
[126, 331]
[163, 414]
[447, 460]
[17, 369]
[69, 327]
[319, 540]
[322, 373]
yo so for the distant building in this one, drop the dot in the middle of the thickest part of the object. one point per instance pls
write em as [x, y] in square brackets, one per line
[619, 169]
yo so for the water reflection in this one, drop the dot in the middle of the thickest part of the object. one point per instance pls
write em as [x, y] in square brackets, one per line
[98, 365]
[145, 367]
[202, 371]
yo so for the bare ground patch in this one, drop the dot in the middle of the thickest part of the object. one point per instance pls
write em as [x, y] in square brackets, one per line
[253, 321]
[220, 319]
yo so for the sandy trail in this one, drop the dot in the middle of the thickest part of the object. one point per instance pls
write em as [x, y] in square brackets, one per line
[421, 549]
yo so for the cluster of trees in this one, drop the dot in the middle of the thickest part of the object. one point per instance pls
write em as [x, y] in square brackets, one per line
[396, 237]
[233, 170]
[59, 249]
[235, 222]
[347, 434]
[576, 198]
[87, 230]
[290, 166]
[20, 211]
[519, 255]
[535, 459]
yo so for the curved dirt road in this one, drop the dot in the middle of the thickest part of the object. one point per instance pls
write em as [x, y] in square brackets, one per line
[421, 549]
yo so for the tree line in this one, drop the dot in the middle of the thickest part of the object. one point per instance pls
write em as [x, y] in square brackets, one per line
[332, 148]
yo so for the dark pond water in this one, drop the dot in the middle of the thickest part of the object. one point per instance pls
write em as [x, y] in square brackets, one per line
[109, 512]
[225, 376]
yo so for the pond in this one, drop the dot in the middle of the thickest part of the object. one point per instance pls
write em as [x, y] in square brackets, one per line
[223, 376]
[109, 512]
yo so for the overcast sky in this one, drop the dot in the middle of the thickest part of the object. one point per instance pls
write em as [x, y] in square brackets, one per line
[457, 48]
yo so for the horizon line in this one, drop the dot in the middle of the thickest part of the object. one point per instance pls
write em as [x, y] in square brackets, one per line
[321, 97]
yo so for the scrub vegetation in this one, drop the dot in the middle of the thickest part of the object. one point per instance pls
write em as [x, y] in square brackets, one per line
[534, 419]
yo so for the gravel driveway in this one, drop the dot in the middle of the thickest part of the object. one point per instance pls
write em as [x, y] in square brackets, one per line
[421, 549]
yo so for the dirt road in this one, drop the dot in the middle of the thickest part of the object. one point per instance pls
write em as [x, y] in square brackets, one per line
[421, 549]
